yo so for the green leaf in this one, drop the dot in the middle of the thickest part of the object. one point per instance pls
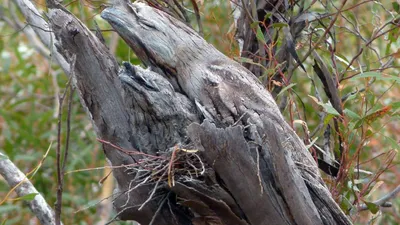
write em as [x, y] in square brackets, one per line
[388, 47]
[329, 109]
[343, 60]
[345, 204]
[377, 76]
[359, 123]
[28, 197]
[328, 119]
[279, 25]
[254, 25]
[267, 16]
[352, 96]
[394, 144]
[396, 7]
[244, 60]
[394, 35]
[395, 106]
[351, 114]
[260, 35]
[286, 88]
[373, 208]
[351, 127]
[1, 44]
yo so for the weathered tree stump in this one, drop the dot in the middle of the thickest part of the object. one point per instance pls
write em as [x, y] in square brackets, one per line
[196, 136]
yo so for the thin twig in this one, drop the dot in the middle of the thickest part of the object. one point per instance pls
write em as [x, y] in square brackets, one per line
[198, 19]
[382, 201]
[258, 172]
[129, 152]
[71, 94]
[60, 165]
[153, 219]
[119, 213]
[182, 10]
[322, 38]
[152, 192]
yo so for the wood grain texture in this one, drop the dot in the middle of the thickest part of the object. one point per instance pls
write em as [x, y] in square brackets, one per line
[101, 92]
[227, 94]
[190, 96]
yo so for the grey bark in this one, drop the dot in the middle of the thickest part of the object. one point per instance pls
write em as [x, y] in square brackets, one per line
[100, 90]
[22, 186]
[249, 166]
[42, 30]
[284, 53]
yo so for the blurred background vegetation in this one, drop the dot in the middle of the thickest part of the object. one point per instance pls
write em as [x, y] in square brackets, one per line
[30, 84]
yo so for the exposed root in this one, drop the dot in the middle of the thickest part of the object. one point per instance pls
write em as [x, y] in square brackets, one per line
[177, 164]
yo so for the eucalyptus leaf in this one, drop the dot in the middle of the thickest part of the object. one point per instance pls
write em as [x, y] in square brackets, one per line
[28, 197]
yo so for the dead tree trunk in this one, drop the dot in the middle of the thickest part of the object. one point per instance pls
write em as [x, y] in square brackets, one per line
[198, 138]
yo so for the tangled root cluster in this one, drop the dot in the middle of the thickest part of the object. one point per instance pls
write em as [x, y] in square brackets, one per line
[164, 169]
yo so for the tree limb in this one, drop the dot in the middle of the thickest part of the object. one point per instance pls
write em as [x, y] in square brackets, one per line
[22, 186]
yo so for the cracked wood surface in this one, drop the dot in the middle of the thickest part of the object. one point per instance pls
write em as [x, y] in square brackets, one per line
[258, 170]
[100, 91]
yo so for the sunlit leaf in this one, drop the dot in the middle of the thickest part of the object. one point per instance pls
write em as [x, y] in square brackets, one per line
[279, 25]
[328, 119]
[343, 59]
[376, 75]
[329, 109]
[351, 114]
[260, 35]
[267, 16]
[28, 197]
